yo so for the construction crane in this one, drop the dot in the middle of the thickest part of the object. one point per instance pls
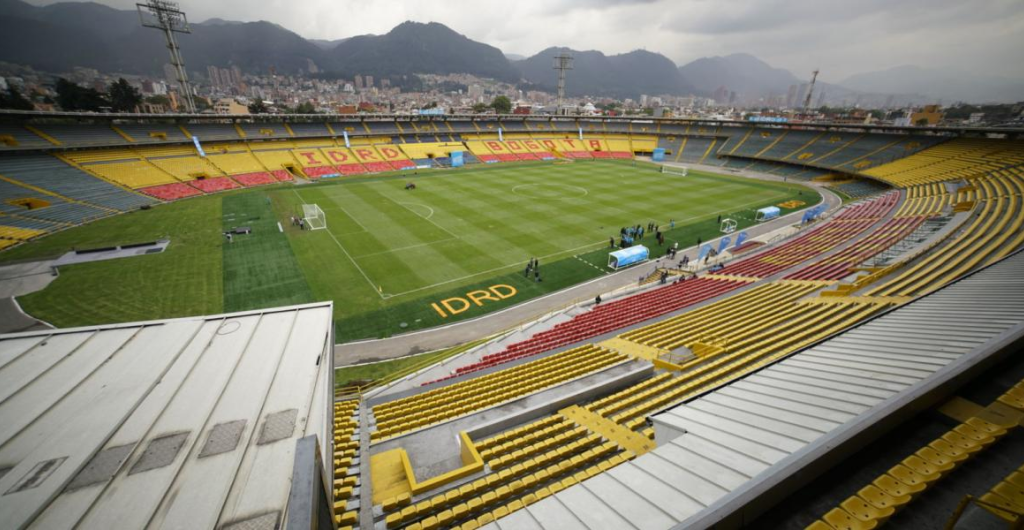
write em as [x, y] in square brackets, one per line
[810, 89]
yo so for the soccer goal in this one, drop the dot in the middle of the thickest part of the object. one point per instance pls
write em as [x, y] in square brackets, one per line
[314, 217]
[681, 171]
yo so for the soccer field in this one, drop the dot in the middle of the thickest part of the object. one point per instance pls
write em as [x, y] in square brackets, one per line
[391, 259]
[459, 232]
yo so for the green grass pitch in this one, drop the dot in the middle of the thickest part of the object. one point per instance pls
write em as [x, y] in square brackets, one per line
[390, 257]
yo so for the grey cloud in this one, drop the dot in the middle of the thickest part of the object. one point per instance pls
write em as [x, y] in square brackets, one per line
[843, 37]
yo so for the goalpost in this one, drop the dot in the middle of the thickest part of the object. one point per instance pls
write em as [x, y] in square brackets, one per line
[680, 171]
[314, 217]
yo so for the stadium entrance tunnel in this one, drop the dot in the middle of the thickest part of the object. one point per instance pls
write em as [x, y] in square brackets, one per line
[29, 203]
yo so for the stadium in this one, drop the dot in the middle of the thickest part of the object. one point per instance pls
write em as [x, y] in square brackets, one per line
[508, 321]
[523, 415]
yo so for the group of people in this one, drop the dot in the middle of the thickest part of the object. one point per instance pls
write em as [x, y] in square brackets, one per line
[533, 265]
[299, 222]
[630, 234]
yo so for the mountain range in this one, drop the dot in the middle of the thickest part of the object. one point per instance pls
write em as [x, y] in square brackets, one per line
[594, 73]
[59, 37]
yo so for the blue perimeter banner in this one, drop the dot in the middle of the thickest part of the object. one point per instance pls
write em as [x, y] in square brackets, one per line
[658, 155]
[740, 239]
[457, 160]
[704, 251]
[724, 242]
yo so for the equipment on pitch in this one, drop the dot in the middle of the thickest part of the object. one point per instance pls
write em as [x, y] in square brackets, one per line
[728, 226]
[314, 217]
[681, 171]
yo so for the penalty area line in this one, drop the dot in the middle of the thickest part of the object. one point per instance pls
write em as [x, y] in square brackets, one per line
[349, 256]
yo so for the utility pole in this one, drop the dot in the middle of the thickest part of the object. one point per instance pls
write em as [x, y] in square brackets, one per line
[166, 16]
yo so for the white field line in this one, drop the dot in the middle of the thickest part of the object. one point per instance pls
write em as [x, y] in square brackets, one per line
[559, 253]
[499, 268]
[449, 232]
[431, 214]
[349, 256]
[342, 208]
[390, 250]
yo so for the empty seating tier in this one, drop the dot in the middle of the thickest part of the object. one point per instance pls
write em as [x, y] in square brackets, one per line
[171, 192]
[875, 503]
[554, 465]
[848, 224]
[133, 174]
[214, 184]
[927, 199]
[993, 231]
[956, 159]
[744, 345]
[152, 133]
[607, 317]
[51, 174]
[841, 264]
[259, 179]
[346, 462]
[81, 135]
[16, 137]
[452, 401]
[186, 168]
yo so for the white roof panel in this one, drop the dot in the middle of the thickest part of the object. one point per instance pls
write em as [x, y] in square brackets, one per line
[187, 423]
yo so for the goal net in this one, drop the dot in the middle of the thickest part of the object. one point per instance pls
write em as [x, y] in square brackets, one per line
[314, 217]
[681, 171]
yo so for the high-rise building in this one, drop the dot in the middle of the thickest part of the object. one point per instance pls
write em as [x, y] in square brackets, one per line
[170, 74]
[369, 81]
[643, 100]
[721, 95]
[214, 75]
[359, 82]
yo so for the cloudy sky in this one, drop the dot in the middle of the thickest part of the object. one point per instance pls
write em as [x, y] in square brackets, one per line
[841, 37]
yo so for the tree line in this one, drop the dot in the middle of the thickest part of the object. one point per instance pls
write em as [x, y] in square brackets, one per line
[119, 97]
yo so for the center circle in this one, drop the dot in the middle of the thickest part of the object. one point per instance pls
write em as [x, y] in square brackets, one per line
[546, 190]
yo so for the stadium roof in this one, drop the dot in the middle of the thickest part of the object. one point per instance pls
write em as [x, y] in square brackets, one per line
[726, 456]
[16, 115]
[182, 423]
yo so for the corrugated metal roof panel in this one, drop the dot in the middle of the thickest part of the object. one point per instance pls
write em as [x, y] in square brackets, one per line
[102, 427]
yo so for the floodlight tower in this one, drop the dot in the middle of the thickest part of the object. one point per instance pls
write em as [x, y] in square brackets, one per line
[165, 15]
[563, 62]
[810, 89]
